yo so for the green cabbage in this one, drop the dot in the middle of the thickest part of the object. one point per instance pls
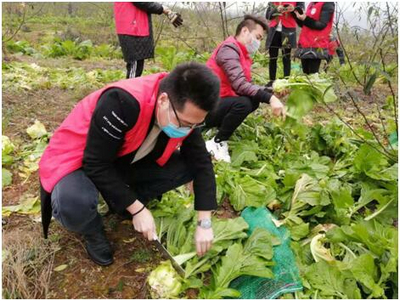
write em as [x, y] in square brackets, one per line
[164, 282]
[37, 130]
[6, 149]
[318, 250]
[6, 146]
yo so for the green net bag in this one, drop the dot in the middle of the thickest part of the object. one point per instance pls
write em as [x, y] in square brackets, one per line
[287, 278]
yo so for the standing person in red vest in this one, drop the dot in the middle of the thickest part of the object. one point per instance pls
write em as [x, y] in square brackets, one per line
[281, 35]
[316, 26]
[131, 141]
[135, 31]
[231, 61]
[335, 47]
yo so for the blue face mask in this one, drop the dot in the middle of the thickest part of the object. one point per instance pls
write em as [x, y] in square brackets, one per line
[253, 46]
[174, 131]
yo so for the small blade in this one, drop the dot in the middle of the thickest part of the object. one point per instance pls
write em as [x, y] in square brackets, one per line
[166, 254]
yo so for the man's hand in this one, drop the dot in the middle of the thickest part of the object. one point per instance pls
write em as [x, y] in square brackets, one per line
[203, 239]
[278, 109]
[299, 16]
[143, 222]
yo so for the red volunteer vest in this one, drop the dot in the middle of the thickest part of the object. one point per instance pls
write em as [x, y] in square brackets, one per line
[130, 20]
[311, 38]
[286, 18]
[64, 154]
[245, 61]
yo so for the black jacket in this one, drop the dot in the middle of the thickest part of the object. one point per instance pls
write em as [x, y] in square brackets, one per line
[136, 48]
[110, 173]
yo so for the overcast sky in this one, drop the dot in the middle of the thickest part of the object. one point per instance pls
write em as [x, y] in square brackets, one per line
[351, 14]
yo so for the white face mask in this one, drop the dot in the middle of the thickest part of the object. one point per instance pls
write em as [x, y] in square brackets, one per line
[253, 46]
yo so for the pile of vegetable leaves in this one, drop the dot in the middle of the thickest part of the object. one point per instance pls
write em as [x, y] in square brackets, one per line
[336, 194]
[23, 156]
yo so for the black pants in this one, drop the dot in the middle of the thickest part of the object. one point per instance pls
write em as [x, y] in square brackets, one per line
[310, 66]
[276, 44]
[134, 69]
[229, 114]
[74, 199]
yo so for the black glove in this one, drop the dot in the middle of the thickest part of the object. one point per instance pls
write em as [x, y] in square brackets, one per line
[175, 18]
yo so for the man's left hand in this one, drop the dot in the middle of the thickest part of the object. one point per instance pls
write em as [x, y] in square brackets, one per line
[203, 239]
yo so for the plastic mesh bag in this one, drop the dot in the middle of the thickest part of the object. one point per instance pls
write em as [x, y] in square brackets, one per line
[287, 278]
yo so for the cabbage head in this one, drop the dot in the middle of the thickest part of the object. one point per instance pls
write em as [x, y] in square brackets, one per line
[164, 282]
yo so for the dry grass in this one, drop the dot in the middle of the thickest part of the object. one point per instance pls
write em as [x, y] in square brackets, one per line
[27, 264]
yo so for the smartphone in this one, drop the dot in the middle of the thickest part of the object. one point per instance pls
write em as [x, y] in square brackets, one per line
[299, 10]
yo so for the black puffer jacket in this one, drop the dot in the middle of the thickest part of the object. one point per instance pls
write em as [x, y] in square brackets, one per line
[139, 48]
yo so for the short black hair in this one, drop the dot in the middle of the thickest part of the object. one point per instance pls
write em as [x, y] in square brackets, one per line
[250, 22]
[192, 81]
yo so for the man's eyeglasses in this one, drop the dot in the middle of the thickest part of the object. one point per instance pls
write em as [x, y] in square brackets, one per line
[192, 126]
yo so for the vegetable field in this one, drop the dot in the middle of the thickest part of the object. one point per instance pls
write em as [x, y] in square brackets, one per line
[328, 173]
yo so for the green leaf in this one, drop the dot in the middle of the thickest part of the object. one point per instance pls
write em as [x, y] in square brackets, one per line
[235, 263]
[365, 271]
[247, 191]
[387, 174]
[370, 83]
[371, 162]
[342, 201]
[28, 205]
[299, 231]
[260, 244]
[219, 293]
[177, 232]
[229, 229]
[244, 152]
[299, 103]
[330, 282]
[6, 177]
[225, 232]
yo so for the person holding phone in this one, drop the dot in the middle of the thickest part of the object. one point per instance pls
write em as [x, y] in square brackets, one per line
[281, 34]
[313, 45]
